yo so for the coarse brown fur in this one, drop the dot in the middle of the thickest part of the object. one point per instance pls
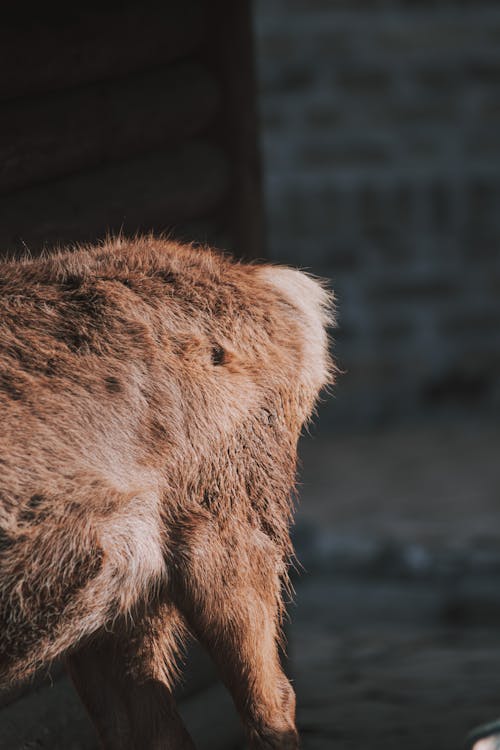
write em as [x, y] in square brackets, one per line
[151, 398]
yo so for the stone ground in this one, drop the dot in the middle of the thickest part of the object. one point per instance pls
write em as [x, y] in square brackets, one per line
[395, 636]
[391, 670]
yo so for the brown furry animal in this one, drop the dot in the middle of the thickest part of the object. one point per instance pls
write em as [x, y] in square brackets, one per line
[151, 399]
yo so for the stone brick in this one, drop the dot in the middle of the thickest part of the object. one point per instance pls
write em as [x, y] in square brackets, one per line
[403, 204]
[373, 208]
[424, 110]
[440, 77]
[323, 155]
[434, 35]
[483, 208]
[391, 328]
[291, 79]
[365, 80]
[413, 290]
[489, 109]
[478, 324]
[308, 6]
[324, 115]
[424, 148]
[483, 143]
[442, 209]
[484, 72]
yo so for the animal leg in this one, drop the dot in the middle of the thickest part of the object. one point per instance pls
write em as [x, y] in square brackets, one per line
[125, 681]
[233, 607]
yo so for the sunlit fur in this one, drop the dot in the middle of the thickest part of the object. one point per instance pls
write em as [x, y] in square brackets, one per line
[152, 396]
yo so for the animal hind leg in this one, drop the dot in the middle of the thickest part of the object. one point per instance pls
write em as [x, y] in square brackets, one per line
[232, 604]
[125, 680]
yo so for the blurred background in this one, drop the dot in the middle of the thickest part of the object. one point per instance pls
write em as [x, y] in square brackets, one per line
[359, 140]
[380, 137]
[381, 153]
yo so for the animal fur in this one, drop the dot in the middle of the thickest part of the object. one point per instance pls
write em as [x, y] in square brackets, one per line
[151, 399]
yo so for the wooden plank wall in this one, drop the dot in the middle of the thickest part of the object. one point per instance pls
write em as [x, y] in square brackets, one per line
[129, 116]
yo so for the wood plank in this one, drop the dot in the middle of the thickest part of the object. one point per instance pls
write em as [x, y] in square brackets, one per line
[53, 135]
[63, 45]
[156, 192]
[229, 52]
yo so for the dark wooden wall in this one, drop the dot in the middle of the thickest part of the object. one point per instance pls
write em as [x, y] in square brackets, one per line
[129, 116]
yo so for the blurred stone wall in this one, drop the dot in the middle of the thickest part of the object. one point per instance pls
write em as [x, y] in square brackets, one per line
[381, 148]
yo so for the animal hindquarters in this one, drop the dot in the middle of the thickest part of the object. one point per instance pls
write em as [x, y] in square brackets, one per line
[65, 572]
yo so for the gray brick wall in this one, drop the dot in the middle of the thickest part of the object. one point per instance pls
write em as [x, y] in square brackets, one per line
[381, 148]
